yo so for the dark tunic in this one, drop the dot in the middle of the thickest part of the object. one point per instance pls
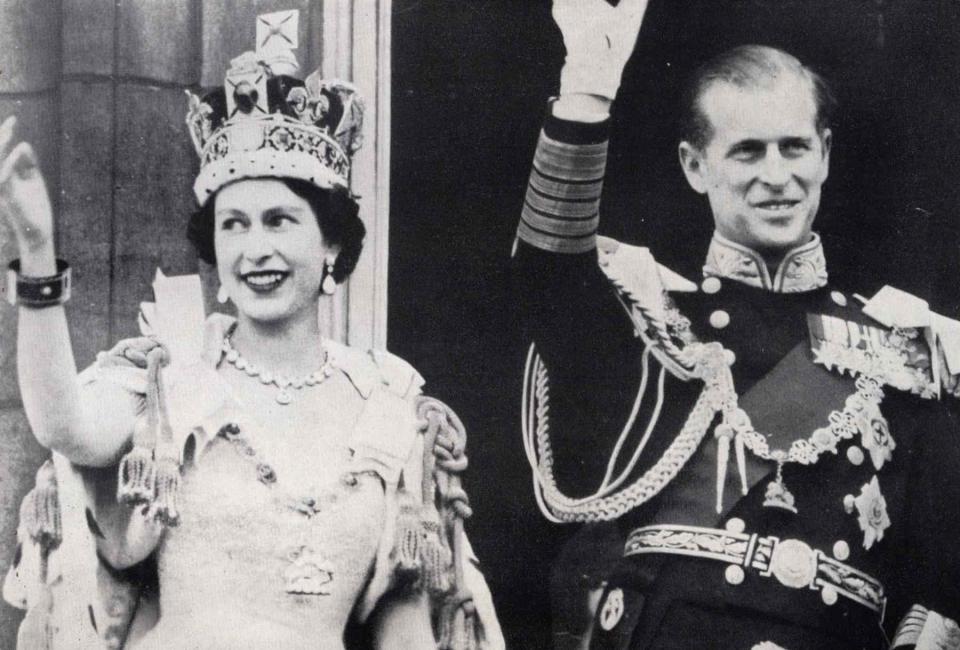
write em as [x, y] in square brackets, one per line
[590, 348]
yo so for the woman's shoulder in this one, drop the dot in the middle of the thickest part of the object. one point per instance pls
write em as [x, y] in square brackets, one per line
[371, 369]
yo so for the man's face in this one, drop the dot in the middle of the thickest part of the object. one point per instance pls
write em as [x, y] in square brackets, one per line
[764, 165]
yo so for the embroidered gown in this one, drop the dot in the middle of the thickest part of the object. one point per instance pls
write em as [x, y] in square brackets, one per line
[284, 538]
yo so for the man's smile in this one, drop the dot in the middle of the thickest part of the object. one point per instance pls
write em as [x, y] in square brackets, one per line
[776, 205]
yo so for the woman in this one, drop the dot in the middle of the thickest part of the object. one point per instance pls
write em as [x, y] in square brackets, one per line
[281, 481]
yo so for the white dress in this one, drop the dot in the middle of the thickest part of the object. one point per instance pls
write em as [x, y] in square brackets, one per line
[283, 535]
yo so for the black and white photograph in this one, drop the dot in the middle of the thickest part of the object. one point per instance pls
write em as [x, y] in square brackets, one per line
[480, 324]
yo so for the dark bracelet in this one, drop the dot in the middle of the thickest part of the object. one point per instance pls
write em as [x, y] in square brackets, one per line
[38, 292]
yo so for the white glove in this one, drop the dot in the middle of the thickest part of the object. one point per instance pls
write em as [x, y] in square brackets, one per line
[599, 39]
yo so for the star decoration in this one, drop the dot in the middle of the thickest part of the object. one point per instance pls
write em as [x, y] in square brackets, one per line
[872, 513]
[875, 435]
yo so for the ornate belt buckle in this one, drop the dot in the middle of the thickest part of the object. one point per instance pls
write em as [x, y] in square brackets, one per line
[793, 564]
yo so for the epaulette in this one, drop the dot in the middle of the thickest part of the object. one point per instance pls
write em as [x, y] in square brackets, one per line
[635, 272]
[895, 308]
[642, 286]
[894, 337]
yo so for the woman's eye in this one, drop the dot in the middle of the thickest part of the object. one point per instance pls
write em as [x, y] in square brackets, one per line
[279, 220]
[232, 223]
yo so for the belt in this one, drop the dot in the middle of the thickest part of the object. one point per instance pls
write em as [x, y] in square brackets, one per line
[791, 561]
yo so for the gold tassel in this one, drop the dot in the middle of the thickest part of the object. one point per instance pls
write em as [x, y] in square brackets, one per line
[446, 624]
[458, 626]
[150, 472]
[136, 477]
[435, 557]
[167, 492]
[40, 509]
[465, 627]
[409, 534]
[167, 454]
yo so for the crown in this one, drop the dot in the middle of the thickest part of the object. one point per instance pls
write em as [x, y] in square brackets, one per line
[265, 121]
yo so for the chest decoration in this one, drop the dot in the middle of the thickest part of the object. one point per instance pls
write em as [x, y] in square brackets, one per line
[871, 512]
[860, 416]
[308, 571]
[876, 358]
[897, 357]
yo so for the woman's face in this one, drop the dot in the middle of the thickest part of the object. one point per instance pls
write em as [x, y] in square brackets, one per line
[270, 251]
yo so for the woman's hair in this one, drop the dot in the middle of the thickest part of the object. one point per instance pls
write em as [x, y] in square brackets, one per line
[336, 212]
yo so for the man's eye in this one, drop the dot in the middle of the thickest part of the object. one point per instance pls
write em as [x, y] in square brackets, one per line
[746, 152]
[796, 148]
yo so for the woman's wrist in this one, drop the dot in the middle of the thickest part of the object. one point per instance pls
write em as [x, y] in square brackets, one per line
[38, 260]
[39, 291]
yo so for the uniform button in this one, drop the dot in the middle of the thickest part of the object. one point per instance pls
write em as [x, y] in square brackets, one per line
[729, 357]
[710, 285]
[848, 503]
[841, 550]
[829, 595]
[838, 298]
[734, 574]
[855, 455]
[735, 525]
[719, 319]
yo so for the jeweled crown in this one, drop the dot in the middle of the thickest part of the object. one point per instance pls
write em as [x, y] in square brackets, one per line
[265, 122]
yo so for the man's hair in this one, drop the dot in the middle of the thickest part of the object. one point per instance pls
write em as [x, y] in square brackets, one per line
[746, 66]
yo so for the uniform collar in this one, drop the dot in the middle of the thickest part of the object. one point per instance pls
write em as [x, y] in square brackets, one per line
[804, 268]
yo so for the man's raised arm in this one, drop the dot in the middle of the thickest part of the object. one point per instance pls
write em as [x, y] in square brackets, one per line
[569, 308]
[560, 212]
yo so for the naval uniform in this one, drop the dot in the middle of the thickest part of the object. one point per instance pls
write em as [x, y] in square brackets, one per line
[825, 517]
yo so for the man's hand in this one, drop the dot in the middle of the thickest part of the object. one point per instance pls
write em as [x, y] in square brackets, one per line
[24, 202]
[599, 39]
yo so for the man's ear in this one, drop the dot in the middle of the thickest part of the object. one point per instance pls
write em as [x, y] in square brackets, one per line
[826, 141]
[691, 160]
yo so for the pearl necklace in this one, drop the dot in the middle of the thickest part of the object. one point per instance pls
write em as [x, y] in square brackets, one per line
[284, 384]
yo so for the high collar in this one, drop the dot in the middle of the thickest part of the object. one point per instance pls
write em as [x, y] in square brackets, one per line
[803, 268]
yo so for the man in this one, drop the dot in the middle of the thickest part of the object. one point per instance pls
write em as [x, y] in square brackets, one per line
[761, 438]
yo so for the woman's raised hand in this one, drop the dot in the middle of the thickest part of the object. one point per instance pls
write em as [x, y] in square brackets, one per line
[599, 38]
[24, 201]
[131, 353]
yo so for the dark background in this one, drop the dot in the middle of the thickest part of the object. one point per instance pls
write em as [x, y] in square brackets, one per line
[470, 83]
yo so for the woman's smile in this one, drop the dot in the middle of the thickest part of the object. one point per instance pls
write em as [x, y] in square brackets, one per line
[264, 282]
[269, 249]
